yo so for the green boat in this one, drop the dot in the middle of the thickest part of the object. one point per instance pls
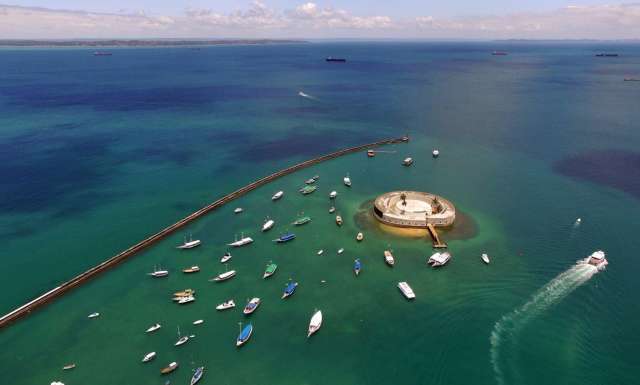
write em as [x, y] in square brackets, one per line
[308, 189]
[302, 221]
[270, 270]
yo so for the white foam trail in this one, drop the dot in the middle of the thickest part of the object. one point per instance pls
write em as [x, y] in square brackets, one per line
[506, 330]
[306, 95]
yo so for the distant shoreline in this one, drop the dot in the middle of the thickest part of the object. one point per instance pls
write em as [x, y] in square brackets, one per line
[114, 43]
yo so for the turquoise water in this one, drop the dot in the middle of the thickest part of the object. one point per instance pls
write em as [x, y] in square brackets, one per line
[99, 152]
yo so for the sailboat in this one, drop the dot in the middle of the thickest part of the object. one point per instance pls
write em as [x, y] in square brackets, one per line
[315, 323]
[302, 220]
[228, 274]
[149, 356]
[190, 244]
[241, 242]
[270, 270]
[268, 224]
[357, 266]
[289, 289]
[285, 238]
[244, 335]
[197, 375]
[153, 328]
[181, 340]
[192, 269]
[158, 273]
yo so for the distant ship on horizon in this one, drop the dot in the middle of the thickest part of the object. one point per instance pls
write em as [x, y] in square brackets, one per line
[605, 54]
[102, 53]
[499, 53]
[335, 59]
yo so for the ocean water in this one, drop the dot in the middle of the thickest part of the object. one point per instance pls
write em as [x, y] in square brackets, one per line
[98, 152]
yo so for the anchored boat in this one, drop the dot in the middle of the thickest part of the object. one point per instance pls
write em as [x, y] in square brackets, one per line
[251, 306]
[186, 300]
[435, 153]
[241, 242]
[338, 220]
[333, 194]
[226, 257]
[485, 258]
[226, 305]
[168, 369]
[332, 209]
[244, 335]
[268, 224]
[238, 210]
[224, 276]
[158, 273]
[315, 323]
[407, 162]
[347, 181]
[184, 293]
[192, 269]
[301, 221]
[439, 259]
[149, 356]
[289, 289]
[69, 366]
[388, 258]
[285, 238]
[153, 328]
[406, 290]
[308, 189]
[270, 270]
[197, 375]
[359, 237]
[94, 315]
[357, 266]
[190, 244]
[277, 195]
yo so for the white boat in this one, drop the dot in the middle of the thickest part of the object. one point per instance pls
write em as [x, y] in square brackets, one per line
[158, 273]
[359, 237]
[406, 290]
[252, 305]
[485, 258]
[149, 356]
[153, 328]
[224, 276]
[333, 194]
[181, 340]
[320, 251]
[597, 259]
[268, 224]
[338, 220]
[577, 222]
[388, 258]
[435, 153]
[315, 323]
[407, 162]
[439, 259]
[332, 210]
[238, 210]
[241, 242]
[347, 181]
[340, 250]
[198, 322]
[226, 257]
[94, 315]
[277, 195]
[192, 269]
[185, 300]
[226, 305]
[189, 244]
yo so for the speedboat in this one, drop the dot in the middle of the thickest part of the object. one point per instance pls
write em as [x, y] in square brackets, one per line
[226, 257]
[333, 194]
[315, 323]
[224, 276]
[226, 305]
[407, 162]
[158, 273]
[289, 289]
[406, 290]
[268, 224]
[357, 266]
[301, 221]
[149, 356]
[308, 189]
[338, 220]
[485, 258]
[285, 238]
[94, 315]
[359, 237]
[332, 210]
[310, 181]
[190, 244]
[439, 259]
[153, 328]
[241, 242]
[597, 259]
[238, 210]
[197, 375]
[192, 269]
[168, 369]
[320, 252]
[185, 300]
[435, 153]
[388, 258]
[251, 306]
[340, 250]
[277, 195]
[270, 270]
[198, 322]
[347, 181]
[244, 335]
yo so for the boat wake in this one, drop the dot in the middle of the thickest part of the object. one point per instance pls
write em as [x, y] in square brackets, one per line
[306, 95]
[507, 329]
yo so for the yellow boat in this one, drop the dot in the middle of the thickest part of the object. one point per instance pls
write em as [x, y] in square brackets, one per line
[184, 293]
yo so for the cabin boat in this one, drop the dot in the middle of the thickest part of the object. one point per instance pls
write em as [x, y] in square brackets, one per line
[197, 375]
[268, 224]
[226, 257]
[435, 153]
[149, 356]
[285, 238]
[153, 328]
[598, 259]
[277, 195]
[388, 258]
[186, 300]
[251, 306]
[270, 270]
[347, 181]
[485, 258]
[338, 220]
[439, 259]
[241, 242]
[406, 290]
[198, 322]
[226, 305]
[244, 335]
[192, 269]
[407, 162]
[359, 237]
[224, 276]
[357, 266]
[170, 368]
[333, 194]
[158, 273]
[289, 289]
[315, 323]
[189, 244]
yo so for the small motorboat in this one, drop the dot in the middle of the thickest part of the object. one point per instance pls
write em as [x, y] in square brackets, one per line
[192, 269]
[598, 259]
[338, 220]
[310, 181]
[332, 210]
[289, 289]
[149, 356]
[439, 259]
[153, 328]
[371, 153]
[315, 323]
[244, 335]
[251, 306]
[158, 273]
[285, 238]
[186, 300]
[359, 237]
[577, 222]
[357, 266]
[407, 162]
[320, 252]
[277, 195]
[226, 305]
[485, 258]
[306, 190]
[270, 270]
[406, 290]
[388, 258]
[435, 153]
[184, 293]
[224, 276]
[347, 181]
[189, 244]
[198, 322]
[197, 375]
[238, 210]
[268, 224]
[69, 366]
[241, 242]
[333, 194]
[94, 315]
[226, 257]
[301, 221]
[170, 368]
[340, 250]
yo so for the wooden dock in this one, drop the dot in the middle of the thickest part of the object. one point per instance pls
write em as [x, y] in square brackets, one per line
[435, 238]
[124, 255]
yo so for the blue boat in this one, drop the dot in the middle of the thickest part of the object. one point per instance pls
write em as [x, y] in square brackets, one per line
[357, 266]
[197, 375]
[285, 238]
[290, 289]
[244, 335]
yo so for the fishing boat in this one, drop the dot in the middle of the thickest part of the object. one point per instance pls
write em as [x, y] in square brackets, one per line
[69, 366]
[244, 335]
[388, 258]
[226, 257]
[315, 323]
[308, 189]
[240, 242]
[226, 305]
[94, 315]
[332, 210]
[277, 195]
[338, 220]
[192, 269]
[181, 340]
[168, 369]
[285, 238]
[371, 153]
[406, 290]
[320, 252]
[149, 356]
[310, 181]
[251, 306]
[289, 289]
[407, 162]
[153, 328]
[347, 181]
[270, 270]
[184, 293]
[268, 224]
[198, 322]
[224, 276]
[485, 258]
[597, 259]
[189, 244]
[158, 273]
[359, 237]
[333, 194]
[357, 266]
[197, 375]
[435, 153]
[186, 300]
[341, 250]
[238, 210]
[439, 259]
[301, 221]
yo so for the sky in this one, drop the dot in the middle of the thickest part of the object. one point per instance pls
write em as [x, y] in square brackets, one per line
[428, 19]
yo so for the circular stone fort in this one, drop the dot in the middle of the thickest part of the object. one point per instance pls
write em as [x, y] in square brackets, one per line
[413, 209]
